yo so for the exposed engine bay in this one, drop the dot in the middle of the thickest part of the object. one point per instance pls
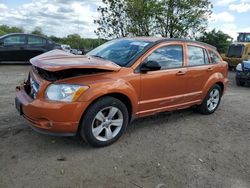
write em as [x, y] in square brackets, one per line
[66, 73]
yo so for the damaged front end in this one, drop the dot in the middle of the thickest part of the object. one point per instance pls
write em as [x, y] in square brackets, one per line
[56, 65]
[52, 76]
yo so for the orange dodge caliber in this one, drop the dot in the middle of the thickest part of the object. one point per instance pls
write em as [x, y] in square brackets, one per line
[98, 94]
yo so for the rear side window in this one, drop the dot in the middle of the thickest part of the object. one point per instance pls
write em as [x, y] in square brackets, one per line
[32, 40]
[196, 56]
[168, 56]
[214, 57]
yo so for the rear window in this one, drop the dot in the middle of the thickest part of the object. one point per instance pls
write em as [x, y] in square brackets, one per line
[235, 51]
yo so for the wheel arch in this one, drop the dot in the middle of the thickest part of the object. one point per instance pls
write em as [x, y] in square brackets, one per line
[120, 96]
[221, 84]
[216, 78]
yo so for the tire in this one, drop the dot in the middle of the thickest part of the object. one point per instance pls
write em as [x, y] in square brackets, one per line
[211, 101]
[104, 122]
[239, 83]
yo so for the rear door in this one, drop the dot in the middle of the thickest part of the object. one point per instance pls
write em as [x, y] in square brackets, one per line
[36, 46]
[199, 71]
[13, 48]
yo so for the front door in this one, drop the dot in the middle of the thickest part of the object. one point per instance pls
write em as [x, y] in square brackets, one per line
[165, 88]
[13, 48]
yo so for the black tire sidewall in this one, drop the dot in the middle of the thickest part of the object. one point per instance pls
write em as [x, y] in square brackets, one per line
[88, 117]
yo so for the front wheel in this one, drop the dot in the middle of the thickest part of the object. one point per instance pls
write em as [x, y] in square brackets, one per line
[104, 122]
[211, 101]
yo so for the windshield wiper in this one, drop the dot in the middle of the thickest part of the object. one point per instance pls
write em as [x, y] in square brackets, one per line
[98, 56]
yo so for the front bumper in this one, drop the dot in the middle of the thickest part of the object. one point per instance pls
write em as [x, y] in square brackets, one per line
[243, 76]
[56, 118]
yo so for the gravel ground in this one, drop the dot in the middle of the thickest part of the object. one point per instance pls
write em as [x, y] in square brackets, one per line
[176, 149]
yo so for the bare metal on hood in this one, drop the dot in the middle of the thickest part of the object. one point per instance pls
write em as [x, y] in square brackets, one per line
[57, 60]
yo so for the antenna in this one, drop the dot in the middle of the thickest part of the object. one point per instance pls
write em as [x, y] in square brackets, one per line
[78, 31]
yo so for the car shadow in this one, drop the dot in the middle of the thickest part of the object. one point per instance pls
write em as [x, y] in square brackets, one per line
[29, 136]
[14, 63]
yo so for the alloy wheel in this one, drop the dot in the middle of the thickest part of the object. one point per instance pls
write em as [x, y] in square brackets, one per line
[213, 100]
[107, 123]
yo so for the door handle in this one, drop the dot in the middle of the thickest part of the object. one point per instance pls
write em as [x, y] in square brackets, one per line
[180, 73]
[210, 69]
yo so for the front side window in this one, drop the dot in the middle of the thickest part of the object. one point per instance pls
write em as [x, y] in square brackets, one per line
[196, 56]
[120, 51]
[13, 40]
[33, 40]
[168, 56]
[214, 57]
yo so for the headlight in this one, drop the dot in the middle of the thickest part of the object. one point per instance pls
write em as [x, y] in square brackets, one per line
[65, 92]
[239, 67]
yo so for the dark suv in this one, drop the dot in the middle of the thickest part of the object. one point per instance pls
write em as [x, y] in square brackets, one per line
[243, 73]
[23, 47]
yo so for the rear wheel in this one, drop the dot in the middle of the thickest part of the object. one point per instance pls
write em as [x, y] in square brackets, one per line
[211, 101]
[104, 122]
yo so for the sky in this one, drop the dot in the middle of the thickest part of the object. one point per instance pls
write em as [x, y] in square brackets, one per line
[63, 17]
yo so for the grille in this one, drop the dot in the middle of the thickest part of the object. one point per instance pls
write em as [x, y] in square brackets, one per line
[246, 71]
[34, 88]
[31, 87]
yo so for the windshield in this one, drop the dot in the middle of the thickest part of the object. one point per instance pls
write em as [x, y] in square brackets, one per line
[235, 51]
[120, 51]
[244, 37]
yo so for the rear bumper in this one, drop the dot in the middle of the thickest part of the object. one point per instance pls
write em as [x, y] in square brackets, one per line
[54, 118]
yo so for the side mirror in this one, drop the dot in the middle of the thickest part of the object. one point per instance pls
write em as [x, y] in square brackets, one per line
[150, 66]
[1, 43]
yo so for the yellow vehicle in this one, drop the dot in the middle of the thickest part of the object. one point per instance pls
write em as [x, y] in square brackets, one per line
[239, 51]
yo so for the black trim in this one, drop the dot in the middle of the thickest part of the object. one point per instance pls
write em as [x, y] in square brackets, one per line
[41, 131]
[186, 41]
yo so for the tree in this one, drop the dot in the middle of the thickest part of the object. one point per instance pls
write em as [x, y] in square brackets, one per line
[168, 18]
[218, 39]
[4, 29]
[38, 31]
[183, 18]
[141, 15]
[113, 21]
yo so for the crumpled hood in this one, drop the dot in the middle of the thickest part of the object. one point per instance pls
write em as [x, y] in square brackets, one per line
[57, 60]
[246, 64]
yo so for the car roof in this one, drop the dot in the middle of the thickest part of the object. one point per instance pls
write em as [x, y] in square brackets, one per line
[158, 40]
[11, 34]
